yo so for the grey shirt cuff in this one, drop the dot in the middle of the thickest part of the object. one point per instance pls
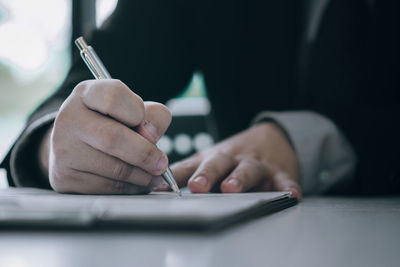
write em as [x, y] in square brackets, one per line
[327, 160]
[24, 160]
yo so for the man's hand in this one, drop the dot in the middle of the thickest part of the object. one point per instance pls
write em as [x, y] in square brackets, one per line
[103, 141]
[258, 159]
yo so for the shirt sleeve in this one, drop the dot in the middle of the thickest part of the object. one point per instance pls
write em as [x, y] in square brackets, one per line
[327, 160]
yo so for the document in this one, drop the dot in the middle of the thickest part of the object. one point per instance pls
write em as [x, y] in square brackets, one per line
[37, 208]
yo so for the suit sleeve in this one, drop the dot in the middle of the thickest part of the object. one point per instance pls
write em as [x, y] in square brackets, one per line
[327, 160]
[353, 80]
[143, 44]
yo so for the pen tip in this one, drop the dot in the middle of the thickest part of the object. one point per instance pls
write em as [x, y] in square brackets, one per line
[176, 189]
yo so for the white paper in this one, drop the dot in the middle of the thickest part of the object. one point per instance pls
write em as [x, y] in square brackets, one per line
[34, 203]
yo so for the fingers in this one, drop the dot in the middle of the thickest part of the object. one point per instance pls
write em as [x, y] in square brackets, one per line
[248, 174]
[113, 98]
[184, 169]
[86, 144]
[210, 171]
[251, 174]
[119, 141]
[156, 121]
[282, 182]
[101, 164]
[87, 183]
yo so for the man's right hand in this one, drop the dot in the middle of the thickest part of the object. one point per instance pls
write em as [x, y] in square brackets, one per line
[92, 147]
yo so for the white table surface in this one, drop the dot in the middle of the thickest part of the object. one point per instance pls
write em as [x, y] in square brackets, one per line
[317, 232]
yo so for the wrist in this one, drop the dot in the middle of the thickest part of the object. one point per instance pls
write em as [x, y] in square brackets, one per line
[284, 156]
[275, 126]
[44, 150]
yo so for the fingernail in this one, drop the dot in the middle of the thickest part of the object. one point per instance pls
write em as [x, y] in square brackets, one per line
[151, 130]
[162, 163]
[201, 180]
[235, 182]
[296, 192]
[289, 188]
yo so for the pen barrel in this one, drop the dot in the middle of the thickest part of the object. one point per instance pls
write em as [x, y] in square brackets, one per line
[91, 60]
[94, 63]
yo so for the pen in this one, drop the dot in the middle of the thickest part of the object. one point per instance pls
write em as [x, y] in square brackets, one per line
[98, 70]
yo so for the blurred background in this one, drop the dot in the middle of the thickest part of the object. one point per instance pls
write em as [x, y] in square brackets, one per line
[35, 52]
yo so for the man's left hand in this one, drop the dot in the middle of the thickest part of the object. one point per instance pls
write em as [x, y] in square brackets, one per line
[258, 159]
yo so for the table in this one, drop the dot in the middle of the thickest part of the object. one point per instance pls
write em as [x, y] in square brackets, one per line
[320, 231]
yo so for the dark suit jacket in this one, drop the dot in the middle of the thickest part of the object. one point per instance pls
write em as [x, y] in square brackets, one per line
[257, 55]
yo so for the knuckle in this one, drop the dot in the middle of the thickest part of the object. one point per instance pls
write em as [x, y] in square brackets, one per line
[186, 164]
[219, 156]
[251, 165]
[140, 113]
[253, 155]
[80, 88]
[207, 170]
[148, 156]
[223, 156]
[139, 109]
[111, 99]
[121, 171]
[117, 83]
[109, 137]
[250, 162]
[249, 157]
[118, 187]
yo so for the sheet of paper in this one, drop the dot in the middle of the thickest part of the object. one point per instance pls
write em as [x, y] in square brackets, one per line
[163, 206]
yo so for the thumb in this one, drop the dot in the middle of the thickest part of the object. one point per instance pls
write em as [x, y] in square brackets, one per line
[157, 119]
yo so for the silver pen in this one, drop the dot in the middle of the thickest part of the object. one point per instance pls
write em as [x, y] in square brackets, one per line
[98, 70]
